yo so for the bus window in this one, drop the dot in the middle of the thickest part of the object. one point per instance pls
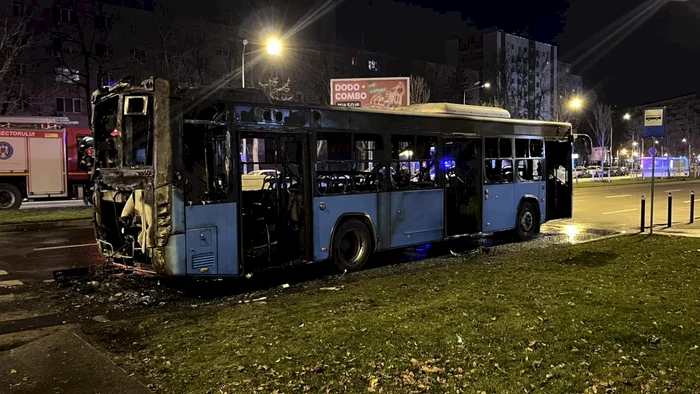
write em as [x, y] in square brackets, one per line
[498, 171]
[522, 148]
[413, 161]
[350, 163]
[529, 170]
[528, 153]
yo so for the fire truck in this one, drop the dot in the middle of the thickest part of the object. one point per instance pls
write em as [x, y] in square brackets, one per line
[42, 157]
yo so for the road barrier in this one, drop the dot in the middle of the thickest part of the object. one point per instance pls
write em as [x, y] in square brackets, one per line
[692, 206]
[670, 208]
[644, 203]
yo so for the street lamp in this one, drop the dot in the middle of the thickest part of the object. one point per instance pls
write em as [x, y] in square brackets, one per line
[576, 103]
[627, 116]
[274, 47]
[477, 85]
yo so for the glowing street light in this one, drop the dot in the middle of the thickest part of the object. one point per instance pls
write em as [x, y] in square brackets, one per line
[684, 140]
[634, 143]
[576, 103]
[477, 85]
[624, 152]
[274, 47]
[627, 116]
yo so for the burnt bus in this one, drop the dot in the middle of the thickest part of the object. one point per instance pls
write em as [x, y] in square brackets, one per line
[225, 182]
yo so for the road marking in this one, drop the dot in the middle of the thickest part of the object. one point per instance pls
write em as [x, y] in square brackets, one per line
[622, 211]
[3, 272]
[674, 190]
[7, 298]
[64, 247]
[11, 283]
[688, 202]
[619, 196]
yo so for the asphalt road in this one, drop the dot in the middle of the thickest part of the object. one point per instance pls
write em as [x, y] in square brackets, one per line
[33, 255]
[618, 207]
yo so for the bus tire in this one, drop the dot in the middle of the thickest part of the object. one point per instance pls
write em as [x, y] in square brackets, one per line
[10, 196]
[352, 245]
[527, 225]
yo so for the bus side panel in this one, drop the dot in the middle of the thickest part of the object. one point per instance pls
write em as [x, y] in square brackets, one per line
[327, 211]
[531, 189]
[416, 217]
[212, 239]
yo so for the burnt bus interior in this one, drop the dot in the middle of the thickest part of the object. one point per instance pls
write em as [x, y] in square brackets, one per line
[272, 159]
[123, 138]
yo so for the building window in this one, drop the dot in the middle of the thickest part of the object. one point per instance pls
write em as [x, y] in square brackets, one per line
[100, 22]
[106, 79]
[65, 75]
[70, 47]
[202, 63]
[222, 52]
[102, 50]
[17, 8]
[21, 70]
[69, 105]
[138, 54]
[372, 65]
[69, 16]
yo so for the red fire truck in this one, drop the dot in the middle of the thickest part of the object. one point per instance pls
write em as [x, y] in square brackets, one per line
[42, 158]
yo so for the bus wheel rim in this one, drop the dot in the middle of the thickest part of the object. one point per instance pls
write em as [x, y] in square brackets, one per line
[351, 247]
[526, 221]
[7, 199]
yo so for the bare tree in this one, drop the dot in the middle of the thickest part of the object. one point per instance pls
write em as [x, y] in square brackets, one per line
[80, 43]
[277, 91]
[601, 124]
[420, 91]
[16, 39]
[180, 56]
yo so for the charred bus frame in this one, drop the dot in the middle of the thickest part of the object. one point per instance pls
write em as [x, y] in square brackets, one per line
[337, 183]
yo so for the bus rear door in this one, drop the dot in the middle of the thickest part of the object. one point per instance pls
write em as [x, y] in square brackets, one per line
[499, 205]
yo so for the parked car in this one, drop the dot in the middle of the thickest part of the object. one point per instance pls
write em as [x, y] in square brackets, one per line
[595, 170]
[581, 172]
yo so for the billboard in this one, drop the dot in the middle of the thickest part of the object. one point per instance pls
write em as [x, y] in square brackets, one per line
[375, 93]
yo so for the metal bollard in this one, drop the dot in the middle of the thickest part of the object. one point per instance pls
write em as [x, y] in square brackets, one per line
[644, 203]
[692, 206]
[670, 208]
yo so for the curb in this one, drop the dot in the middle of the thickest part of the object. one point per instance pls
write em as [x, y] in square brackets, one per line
[38, 226]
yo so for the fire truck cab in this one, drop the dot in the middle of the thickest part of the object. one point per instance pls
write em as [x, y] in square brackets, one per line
[35, 156]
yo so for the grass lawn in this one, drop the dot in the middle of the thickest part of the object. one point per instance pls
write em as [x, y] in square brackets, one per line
[619, 315]
[44, 215]
[628, 181]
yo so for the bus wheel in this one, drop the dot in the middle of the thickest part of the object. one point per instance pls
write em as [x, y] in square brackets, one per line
[351, 245]
[10, 196]
[527, 226]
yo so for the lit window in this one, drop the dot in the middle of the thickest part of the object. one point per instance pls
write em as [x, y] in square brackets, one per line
[65, 75]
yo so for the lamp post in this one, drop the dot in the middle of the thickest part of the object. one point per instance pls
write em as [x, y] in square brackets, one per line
[477, 85]
[273, 48]
[245, 42]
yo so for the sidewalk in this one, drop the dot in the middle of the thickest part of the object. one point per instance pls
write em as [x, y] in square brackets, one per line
[63, 363]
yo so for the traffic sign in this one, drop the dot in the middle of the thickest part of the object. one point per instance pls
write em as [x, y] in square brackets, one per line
[654, 122]
[652, 151]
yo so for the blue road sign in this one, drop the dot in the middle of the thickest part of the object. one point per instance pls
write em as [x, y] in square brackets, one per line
[652, 151]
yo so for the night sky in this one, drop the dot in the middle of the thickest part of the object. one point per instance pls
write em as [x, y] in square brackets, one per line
[644, 61]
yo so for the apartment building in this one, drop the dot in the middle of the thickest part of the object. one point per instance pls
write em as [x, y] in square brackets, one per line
[522, 72]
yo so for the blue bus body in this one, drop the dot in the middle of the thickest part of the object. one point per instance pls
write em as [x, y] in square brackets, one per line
[329, 183]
